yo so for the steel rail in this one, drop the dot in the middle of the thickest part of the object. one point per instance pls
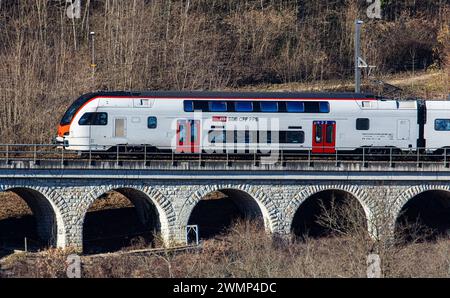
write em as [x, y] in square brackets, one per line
[38, 153]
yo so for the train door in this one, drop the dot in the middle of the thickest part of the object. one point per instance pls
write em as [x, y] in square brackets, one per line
[120, 127]
[324, 137]
[100, 130]
[403, 129]
[188, 136]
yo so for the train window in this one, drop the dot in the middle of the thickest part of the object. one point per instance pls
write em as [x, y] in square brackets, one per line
[85, 119]
[152, 122]
[74, 107]
[268, 106]
[201, 105]
[188, 105]
[281, 107]
[243, 106]
[247, 137]
[312, 107]
[193, 131]
[295, 107]
[181, 133]
[442, 124]
[295, 137]
[217, 106]
[362, 124]
[324, 107]
[329, 136]
[318, 133]
[100, 119]
[94, 119]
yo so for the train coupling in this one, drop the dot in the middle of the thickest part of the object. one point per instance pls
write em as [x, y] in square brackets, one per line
[60, 142]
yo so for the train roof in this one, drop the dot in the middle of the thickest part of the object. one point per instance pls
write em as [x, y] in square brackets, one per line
[231, 95]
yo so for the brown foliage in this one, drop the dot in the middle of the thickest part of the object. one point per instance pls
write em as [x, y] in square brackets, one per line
[12, 206]
[166, 44]
[444, 44]
[247, 251]
[110, 200]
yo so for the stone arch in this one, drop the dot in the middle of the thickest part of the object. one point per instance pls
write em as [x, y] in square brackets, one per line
[311, 190]
[267, 208]
[412, 192]
[406, 196]
[48, 207]
[165, 210]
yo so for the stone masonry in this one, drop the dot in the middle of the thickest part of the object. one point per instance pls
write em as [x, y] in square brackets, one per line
[60, 201]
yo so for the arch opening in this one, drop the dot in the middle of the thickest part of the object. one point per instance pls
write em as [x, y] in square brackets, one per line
[329, 213]
[122, 218]
[27, 219]
[424, 217]
[218, 210]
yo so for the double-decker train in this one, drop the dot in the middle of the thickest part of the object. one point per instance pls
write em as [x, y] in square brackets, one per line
[223, 122]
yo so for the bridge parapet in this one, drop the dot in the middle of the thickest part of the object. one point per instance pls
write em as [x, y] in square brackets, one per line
[183, 165]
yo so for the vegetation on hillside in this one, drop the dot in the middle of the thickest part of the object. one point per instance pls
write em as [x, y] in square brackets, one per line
[196, 44]
[247, 251]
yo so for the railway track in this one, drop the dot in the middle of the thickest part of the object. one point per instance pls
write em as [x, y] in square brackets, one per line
[148, 251]
[51, 153]
[88, 260]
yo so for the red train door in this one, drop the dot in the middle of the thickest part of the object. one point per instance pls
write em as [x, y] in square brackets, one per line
[188, 136]
[324, 137]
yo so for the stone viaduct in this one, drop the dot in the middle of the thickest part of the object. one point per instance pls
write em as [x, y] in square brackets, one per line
[60, 195]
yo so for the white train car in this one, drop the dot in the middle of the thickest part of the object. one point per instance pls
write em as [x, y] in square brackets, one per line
[217, 122]
[437, 125]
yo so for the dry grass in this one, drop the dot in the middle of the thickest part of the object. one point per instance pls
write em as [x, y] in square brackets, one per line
[444, 42]
[12, 206]
[111, 200]
[431, 84]
[200, 45]
[247, 251]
